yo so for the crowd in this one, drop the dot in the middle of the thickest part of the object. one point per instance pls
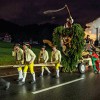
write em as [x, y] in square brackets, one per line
[27, 57]
[91, 51]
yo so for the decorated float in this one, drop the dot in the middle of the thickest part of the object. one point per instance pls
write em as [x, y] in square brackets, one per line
[69, 39]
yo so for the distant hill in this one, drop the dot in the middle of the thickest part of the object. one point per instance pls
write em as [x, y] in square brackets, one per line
[6, 26]
[25, 33]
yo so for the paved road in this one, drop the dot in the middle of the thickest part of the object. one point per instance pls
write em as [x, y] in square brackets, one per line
[68, 87]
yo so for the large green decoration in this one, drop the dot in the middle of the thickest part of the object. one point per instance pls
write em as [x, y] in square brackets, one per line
[70, 41]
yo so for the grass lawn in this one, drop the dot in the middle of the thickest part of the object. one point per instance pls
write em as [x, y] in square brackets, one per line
[6, 53]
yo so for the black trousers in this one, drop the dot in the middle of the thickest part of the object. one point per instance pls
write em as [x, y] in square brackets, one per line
[2, 83]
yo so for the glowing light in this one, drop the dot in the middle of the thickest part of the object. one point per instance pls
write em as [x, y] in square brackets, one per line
[91, 28]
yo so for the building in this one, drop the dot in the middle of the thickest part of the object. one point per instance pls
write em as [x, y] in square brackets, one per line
[93, 29]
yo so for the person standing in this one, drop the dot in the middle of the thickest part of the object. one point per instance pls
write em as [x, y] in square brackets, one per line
[56, 58]
[94, 57]
[18, 54]
[43, 58]
[29, 58]
[87, 41]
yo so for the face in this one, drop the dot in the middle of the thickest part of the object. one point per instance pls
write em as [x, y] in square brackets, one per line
[24, 47]
[43, 49]
[54, 49]
[16, 48]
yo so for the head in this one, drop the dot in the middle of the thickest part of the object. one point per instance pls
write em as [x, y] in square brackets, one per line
[43, 48]
[94, 51]
[54, 48]
[88, 36]
[25, 46]
[68, 19]
[17, 47]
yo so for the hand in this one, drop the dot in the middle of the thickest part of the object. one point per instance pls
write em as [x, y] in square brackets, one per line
[30, 62]
[45, 62]
[52, 62]
[22, 62]
[38, 61]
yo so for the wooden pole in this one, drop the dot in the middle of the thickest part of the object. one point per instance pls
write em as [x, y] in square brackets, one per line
[68, 10]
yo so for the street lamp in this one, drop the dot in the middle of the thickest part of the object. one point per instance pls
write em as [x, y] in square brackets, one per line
[97, 42]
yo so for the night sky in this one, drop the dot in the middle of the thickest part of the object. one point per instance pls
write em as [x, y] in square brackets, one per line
[24, 12]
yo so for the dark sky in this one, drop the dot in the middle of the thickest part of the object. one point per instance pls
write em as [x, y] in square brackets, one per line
[25, 12]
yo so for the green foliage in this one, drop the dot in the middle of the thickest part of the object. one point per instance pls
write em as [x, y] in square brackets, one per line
[6, 44]
[6, 53]
[72, 55]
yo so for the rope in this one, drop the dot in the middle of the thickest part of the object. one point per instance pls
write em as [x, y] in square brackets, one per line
[68, 10]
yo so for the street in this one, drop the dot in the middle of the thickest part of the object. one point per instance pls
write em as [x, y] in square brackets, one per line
[70, 86]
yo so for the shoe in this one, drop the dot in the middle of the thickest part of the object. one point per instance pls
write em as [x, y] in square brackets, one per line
[49, 74]
[57, 77]
[33, 82]
[19, 79]
[21, 83]
[7, 85]
[41, 75]
[95, 72]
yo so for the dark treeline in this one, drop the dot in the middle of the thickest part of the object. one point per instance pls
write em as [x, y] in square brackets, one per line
[32, 32]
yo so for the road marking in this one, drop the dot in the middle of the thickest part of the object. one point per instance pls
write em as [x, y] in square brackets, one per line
[53, 87]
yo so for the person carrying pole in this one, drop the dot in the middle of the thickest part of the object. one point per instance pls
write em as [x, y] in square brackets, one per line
[29, 58]
[18, 54]
[56, 58]
[43, 58]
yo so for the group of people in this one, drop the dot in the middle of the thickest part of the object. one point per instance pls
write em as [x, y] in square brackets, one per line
[93, 57]
[26, 56]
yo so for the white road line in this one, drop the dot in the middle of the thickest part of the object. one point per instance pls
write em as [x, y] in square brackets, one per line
[53, 87]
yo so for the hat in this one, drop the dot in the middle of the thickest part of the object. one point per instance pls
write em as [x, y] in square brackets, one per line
[26, 43]
[17, 44]
[54, 46]
[43, 46]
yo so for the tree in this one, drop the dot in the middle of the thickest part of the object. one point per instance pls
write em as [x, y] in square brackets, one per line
[72, 49]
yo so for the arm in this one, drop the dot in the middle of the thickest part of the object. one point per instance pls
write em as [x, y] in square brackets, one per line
[59, 55]
[22, 56]
[39, 57]
[33, 56]
[14, 52]
[47, 57]
[51, 56]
